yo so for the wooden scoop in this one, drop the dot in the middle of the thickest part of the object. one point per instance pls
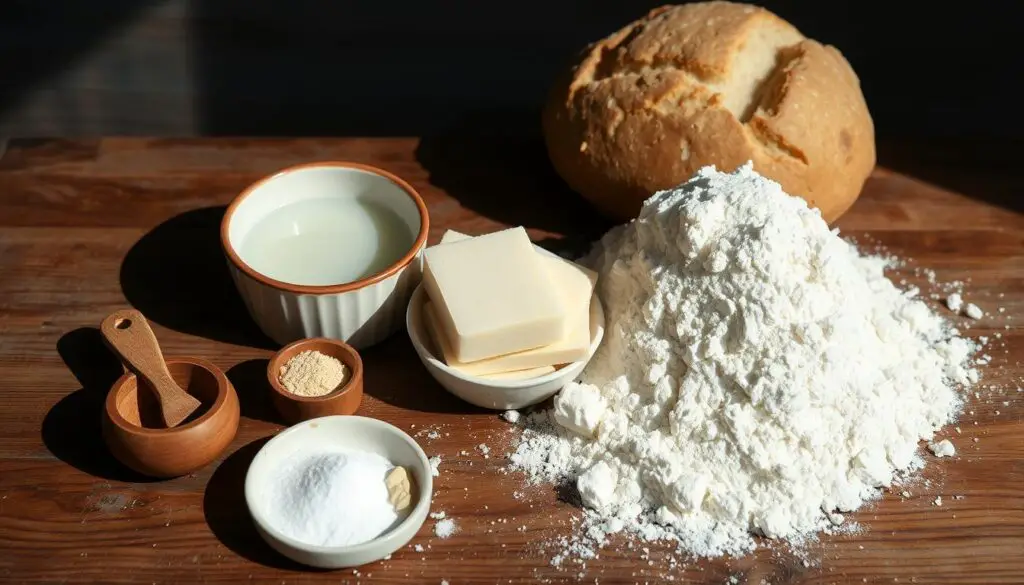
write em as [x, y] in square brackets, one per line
[129, 335]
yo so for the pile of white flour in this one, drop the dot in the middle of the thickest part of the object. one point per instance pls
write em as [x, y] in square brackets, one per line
[758, 375]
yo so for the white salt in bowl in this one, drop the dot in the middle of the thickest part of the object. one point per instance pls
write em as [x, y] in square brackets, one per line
[496, 394]
[355, 433]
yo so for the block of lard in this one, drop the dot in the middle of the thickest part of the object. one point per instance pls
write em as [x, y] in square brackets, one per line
[575, 286]
[503, 370]
[521, 374]
[493, 296]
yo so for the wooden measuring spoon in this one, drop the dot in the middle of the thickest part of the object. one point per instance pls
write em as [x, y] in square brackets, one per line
[128, 333]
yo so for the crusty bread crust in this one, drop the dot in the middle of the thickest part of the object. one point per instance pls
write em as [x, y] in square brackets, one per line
[709, 83]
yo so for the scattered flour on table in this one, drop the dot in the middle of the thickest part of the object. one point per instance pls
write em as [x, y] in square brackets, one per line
[430, 432]
[435, 465]
[758, 376]
[445, 528]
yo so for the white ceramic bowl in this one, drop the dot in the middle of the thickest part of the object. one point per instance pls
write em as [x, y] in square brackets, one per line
[346, 432]
[497, 394]
[360, 313]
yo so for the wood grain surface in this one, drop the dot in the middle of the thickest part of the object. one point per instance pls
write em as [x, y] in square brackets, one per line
[87, 227]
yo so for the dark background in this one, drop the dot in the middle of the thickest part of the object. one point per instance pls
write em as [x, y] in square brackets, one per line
[318, 67]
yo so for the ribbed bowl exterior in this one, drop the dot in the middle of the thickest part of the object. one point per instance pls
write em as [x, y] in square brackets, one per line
[362, 317]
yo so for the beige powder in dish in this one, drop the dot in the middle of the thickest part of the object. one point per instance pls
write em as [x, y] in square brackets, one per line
[312, 373]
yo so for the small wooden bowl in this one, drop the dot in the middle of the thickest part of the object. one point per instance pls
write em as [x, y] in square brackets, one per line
[343, 400]
[134, 431]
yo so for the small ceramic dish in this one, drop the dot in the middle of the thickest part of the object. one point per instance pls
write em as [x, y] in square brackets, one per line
[351, 433]
[343, 400]
[497, 394]
[362, 312]
[135, 433]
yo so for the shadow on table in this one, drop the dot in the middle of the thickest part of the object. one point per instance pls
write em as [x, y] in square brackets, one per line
[393, 373]
[982, 170]
[227, 514]
[177, 275]
[72, 428]
[250, 381]
[495, 169]
[567, 492]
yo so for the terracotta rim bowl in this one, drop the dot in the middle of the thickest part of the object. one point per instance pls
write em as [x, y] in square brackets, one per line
[418, 243]
[343, 400]
[134, 437]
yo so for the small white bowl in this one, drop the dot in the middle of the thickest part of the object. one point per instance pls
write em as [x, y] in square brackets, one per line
[360, 313]
[347, 432]
[497, 394]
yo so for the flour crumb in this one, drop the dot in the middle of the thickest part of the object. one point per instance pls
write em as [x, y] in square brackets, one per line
[955, 303]
[435, 465]
[445, 528]
[973, 311]
[511, 416]
[418, 548]
[937, 501]
[437, 515]
[943, 448]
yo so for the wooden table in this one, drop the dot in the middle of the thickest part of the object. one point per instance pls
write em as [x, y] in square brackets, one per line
[90, 226]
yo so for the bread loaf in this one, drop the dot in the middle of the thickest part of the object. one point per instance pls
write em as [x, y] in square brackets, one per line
[709, 83]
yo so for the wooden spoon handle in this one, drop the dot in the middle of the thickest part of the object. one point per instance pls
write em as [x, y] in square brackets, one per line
[130, 336]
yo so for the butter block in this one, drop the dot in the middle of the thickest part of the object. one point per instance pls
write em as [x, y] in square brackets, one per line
[575, 285]
[493, 296]
[521, 374]
[560, 352]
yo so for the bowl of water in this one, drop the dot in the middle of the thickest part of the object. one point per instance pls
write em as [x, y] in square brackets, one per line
[330, 249]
